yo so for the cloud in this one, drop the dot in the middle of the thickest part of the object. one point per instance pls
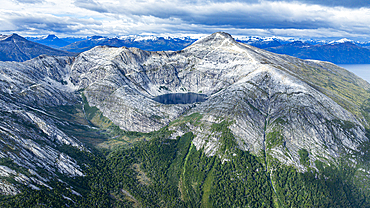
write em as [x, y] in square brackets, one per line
[330, 3]
[339, 3]
[251, 17]
[25, 22]
[90, 5]
[258, 14]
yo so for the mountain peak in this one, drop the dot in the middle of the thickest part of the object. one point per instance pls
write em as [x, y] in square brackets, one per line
[299, 44]
[22, 49]
[96, 37]
[350, 44]
[343, 40]
[222, 34]
[13, 37]
[215, 39]
[51, 37]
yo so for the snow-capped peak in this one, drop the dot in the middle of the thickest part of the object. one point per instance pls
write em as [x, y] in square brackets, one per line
[343, 40]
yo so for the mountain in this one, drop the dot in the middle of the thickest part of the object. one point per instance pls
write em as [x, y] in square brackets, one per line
[17, 48]
[251, 40]
[74, 39]
[262, 43]
[51, 40]
[217, 124]
[152, 43]
[339, 53]
[343, 51]
[292, 49]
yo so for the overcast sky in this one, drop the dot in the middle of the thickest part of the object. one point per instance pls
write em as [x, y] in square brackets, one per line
[302, 18]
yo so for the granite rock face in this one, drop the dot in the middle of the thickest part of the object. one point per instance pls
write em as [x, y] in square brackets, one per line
[276, 104]
[29, 136]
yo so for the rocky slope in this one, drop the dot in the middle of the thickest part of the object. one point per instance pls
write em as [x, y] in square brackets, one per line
[276, 106]
[29, 134]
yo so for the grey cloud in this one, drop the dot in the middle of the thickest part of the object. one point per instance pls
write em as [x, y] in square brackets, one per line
[240, 16]
[90, 5]
[213, 13]
[343, 3]
[67, 25]
[254, 20]
[266, 17]
[330, 3]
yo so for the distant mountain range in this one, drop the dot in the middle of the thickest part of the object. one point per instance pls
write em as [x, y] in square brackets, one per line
[266, 42]
[51, 41]
[339, 53]
[344, 51]
[150, 43]
[145, 43]
[16, 48]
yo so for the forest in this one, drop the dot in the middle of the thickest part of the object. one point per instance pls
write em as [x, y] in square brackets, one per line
[162, 172]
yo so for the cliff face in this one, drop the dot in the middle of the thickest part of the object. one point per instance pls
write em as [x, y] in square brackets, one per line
[276, 105]
[28, 132]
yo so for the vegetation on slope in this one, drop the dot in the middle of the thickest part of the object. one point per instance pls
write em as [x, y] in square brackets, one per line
[160, 172]
[344, 87]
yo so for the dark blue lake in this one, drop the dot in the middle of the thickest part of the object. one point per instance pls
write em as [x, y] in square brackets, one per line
[361, 70]
[181, 98]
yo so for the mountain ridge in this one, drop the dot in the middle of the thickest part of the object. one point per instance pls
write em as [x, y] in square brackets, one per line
[51, 40]
[312, 49]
